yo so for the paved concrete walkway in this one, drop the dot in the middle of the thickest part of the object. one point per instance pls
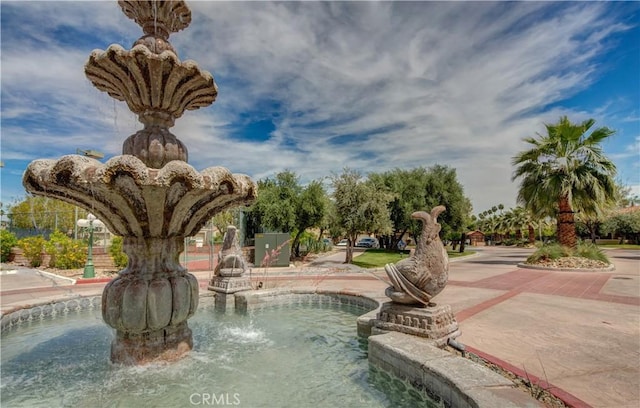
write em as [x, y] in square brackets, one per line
[578, 331]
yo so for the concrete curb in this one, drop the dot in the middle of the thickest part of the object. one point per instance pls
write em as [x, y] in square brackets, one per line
[569, 399]
[463, 258]
[84, 281]
[610, 268]
[54, 276]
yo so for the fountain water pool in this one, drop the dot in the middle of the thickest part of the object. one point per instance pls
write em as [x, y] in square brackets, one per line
[289, 354]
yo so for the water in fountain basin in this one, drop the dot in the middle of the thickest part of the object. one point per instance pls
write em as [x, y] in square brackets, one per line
[276, 357]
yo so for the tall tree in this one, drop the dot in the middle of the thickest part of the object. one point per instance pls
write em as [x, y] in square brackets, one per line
[223, 219]
[274, 209]
[624, 196]
[41, 213]
[286, 206]
[565, 171]
[360, 207]
[407, 189]
[625, 223]
[310, 211]
[421, 189]
[524, 219]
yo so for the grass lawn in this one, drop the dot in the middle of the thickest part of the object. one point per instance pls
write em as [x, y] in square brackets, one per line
[377, 258]
[619, 246]
[456, 254]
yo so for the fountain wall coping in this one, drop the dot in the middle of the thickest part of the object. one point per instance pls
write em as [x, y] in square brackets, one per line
[445, 377]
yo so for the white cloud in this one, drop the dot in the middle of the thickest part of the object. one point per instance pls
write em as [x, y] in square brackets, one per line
[414, 84]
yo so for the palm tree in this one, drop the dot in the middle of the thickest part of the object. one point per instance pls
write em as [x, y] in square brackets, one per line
[522, 219]
[492, 226]
[512, 223]
[502, 227]
[565, 171]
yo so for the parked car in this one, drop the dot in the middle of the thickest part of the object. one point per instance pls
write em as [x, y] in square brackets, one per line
[368, 242]
[343, 242]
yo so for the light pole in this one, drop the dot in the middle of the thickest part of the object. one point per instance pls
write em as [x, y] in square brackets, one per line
[75, 223]
[89, 270]
[94, 154]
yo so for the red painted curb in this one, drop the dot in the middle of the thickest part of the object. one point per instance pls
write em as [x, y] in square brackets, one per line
[83, 281]
[204, 282]
[569, 399]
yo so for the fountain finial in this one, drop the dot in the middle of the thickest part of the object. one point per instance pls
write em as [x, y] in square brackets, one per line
[158, 20]
[157, 17]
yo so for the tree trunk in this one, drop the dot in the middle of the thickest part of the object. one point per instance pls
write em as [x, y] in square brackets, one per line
[382, 240]
[532, 235]
[296, 245]
[349, 251]
[566, 224]
[463, 238]
[396, 239]
[519, 234]
[348, 254]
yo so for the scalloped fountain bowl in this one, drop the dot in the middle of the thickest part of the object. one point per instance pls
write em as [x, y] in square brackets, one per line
[151, 300]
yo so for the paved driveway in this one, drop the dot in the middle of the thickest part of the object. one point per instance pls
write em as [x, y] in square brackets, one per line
[578, 330]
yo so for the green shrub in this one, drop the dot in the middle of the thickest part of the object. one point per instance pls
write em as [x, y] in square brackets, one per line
[65, 252]
[523, 243]
[32, 248]
[509, 241]
[547, 252]
[7, 241]
[591, 251]
[120, 259]
[312, 244]
[555, 251]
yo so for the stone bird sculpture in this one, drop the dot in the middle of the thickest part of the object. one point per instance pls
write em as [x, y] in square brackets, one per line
[417, 279]
[230, 259]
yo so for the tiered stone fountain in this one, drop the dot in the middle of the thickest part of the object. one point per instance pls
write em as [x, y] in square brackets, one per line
[149, 195]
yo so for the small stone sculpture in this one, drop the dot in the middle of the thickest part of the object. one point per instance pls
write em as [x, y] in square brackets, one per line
[229, 274]
[230, 259]
[417, 279]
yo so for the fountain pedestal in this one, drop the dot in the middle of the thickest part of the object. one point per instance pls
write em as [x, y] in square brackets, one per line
[229, 284]
[167, 344]
[150, 302]
[436, 323]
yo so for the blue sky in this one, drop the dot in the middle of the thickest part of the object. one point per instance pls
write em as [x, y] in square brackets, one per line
[313, 87]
